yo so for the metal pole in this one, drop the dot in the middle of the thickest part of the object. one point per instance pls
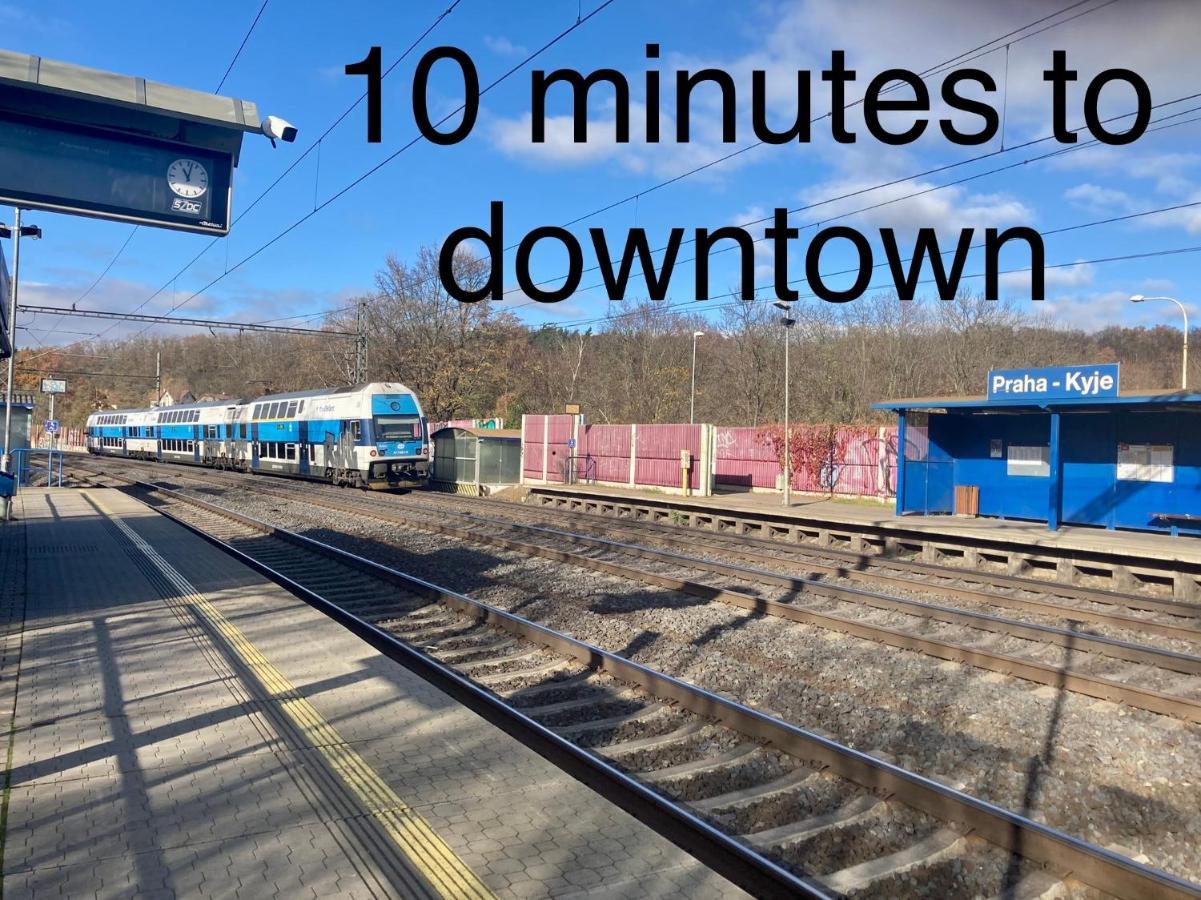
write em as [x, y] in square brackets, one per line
[787, 429]
[692, 394]
[51, 435]
[158, 378]
[6, 459]
[1184, 361]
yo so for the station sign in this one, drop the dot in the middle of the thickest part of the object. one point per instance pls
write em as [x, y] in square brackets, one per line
[54, 386]
[1054, 383]
[90, 171]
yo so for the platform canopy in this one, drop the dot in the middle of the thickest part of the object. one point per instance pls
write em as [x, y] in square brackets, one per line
[1057, 444]
[1157, 399]
[102, 144]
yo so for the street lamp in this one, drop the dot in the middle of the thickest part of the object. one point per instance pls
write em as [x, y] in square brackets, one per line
[692, 395]
[16, 232]
[787, 322]
[1139, 298]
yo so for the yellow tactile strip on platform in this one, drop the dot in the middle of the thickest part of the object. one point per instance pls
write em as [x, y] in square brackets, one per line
[425, 849]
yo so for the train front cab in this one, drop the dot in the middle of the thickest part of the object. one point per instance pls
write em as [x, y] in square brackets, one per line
[399, 442]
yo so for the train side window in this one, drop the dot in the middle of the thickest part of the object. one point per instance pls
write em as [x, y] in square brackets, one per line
[292, 409]
[300, 407]
[291, 448]
[356, 429]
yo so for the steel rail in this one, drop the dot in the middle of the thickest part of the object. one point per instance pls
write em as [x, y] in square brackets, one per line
[712, 847]
[1096, 866]
[740, 543]
[883, 533]
[1095, 686]
[1128, 622]
[1030, 670]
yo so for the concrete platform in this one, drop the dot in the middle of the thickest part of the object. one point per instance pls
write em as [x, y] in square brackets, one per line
[181, 727]
[865, 513]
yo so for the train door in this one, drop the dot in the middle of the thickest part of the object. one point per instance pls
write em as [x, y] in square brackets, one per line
[227, 439]
[302, 448]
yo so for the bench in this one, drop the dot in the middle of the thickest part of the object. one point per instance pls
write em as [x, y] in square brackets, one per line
[1175, 520]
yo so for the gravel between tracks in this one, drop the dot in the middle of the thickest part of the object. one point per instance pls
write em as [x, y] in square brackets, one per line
[1105, 773]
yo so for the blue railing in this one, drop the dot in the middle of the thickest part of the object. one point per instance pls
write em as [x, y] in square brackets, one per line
[35, 466]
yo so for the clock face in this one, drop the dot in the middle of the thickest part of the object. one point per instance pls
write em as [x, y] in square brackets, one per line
[188, 178]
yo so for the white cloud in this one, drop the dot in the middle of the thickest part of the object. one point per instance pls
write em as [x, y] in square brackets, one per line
[1077, 275]
[1105, 201]
[502, 46]
[947, 209]
[1101, 200]
[1090, 312]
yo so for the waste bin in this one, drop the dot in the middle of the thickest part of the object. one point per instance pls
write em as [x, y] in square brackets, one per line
[967, 500]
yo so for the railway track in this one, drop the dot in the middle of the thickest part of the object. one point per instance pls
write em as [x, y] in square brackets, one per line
[791, 811]
[1164, 681]
[1097, 605]
[1126, 572]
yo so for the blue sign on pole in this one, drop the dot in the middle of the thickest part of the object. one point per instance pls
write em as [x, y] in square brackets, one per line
[51, 426]
[571, 443]
[1054, 383]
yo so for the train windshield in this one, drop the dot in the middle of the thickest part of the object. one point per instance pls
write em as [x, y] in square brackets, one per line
[397, 428]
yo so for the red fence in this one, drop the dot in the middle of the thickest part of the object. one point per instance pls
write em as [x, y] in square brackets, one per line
[743, 460]
[657, 460]
[864, 463]
[68, 437]
[546, 443]
[604, 453]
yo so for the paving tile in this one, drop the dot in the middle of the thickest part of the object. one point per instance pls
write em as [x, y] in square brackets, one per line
[146, 765]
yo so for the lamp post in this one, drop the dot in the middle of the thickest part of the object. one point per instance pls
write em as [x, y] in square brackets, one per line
[692, 394]
[787, 321]
[16, 233]
[1139, 298]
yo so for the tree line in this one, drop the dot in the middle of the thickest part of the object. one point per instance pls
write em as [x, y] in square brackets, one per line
[480, 360]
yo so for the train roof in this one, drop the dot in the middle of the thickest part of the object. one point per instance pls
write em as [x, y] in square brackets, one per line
[207, 404]
[336, 391]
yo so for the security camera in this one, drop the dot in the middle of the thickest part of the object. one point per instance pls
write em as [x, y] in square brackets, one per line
[276, 128]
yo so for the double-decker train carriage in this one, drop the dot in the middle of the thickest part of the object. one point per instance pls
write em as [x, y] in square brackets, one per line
[371, 436]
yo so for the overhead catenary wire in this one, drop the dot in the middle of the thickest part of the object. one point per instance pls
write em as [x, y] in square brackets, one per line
[134, 230]
[973, 53]
[937, 69]
[858, 192]
[710, 306]
[393, 156]
[242, 46]
[1162, 123]
[295, 162]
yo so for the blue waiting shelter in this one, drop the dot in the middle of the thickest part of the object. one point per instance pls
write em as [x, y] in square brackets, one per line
[1033, 449]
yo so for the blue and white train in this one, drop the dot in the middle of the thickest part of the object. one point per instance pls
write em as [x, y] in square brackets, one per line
[369, 436]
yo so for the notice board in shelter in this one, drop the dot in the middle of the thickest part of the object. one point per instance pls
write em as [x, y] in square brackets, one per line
[1146, 462]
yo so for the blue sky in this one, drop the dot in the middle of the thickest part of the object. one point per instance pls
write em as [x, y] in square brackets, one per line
[292, 67]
